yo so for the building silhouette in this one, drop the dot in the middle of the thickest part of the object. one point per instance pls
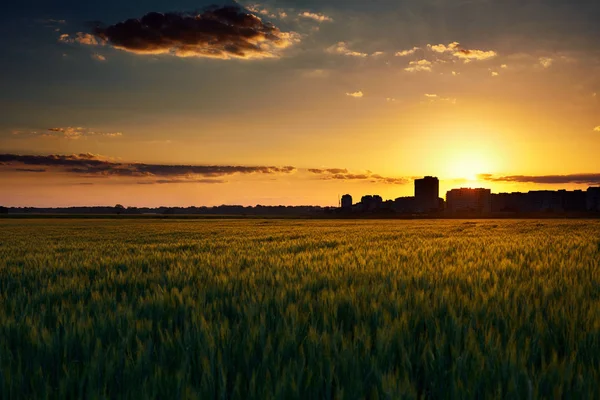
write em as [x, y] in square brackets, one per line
[371, 202]
[478, 201]
[427, 193]
[469, 200]
[593, 199]
[544, 201]
[346, 202]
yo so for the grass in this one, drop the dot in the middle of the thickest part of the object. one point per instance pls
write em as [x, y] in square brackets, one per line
[290, 309]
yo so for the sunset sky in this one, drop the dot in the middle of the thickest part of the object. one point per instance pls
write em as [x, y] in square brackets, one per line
[294, 102]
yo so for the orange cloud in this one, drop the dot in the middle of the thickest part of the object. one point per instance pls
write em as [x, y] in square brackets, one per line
[467, 55]
[359, 94]
[405, 53]
[342, 48]
[419, 66]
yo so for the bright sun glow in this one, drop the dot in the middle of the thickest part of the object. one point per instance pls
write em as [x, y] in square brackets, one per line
[468, 165]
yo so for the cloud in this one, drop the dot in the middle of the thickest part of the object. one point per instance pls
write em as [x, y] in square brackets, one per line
[342, 48]
[263, 10]
[328, 171]
[504, 66]
[582, 179]
[435, 98]
[495, 74]
[546, 62]
[390, 99]
[177, 181]
[356, 95]
[597, 129]
[69, 132]
[405, 53]
[440, 48]
[316, 16]
[91, 165]
[467, 55]
[377, 54]
[419, 66]
[344, 175]
[30, 170]
[98, 57]
[217, 32]
[82, 38]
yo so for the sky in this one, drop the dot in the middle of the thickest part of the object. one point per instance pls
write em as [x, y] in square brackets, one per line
[185, 103]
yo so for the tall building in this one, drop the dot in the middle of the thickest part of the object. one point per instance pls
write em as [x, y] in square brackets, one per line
[469, 200]
[593, 199]
[427, 193]
[347, 202]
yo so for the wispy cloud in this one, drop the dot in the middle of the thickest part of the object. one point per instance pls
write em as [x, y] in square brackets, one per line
[315, 16]
[356, 95]
[69, 132]
[582, 179]
[217, 32]
[436, 98]
[404, 53]
[94, 166]
[597, 129]
[91, 165]
[81, 38]
[98, 57]
[342, 48]
[546, 62]
[345, 175]
[467, 55]
[419, 66]
[260, 9]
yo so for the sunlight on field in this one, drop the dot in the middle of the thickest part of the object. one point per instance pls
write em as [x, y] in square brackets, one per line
[299, 309]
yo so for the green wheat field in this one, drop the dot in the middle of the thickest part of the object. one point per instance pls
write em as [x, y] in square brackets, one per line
[298, 309]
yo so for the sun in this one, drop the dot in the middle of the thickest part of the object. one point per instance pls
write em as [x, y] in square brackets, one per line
[468, 166]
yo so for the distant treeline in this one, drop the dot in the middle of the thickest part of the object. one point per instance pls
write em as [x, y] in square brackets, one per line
[273, 212]
[219, 210]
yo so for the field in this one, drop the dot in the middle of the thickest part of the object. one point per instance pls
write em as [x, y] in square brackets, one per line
[292, 309]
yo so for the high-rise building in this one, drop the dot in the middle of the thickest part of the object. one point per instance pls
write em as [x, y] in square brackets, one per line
[427, 193]
[593, 199]
[469, 200]
[347, 202]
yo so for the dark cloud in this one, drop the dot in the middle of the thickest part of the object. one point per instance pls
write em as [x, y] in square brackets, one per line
[30, 170]
[344, 175]
[328, 171]
[206, 181]
[582, 179]
[93, 166]
[217, 32]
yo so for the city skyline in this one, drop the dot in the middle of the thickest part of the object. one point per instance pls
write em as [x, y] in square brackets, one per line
[299, 102]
